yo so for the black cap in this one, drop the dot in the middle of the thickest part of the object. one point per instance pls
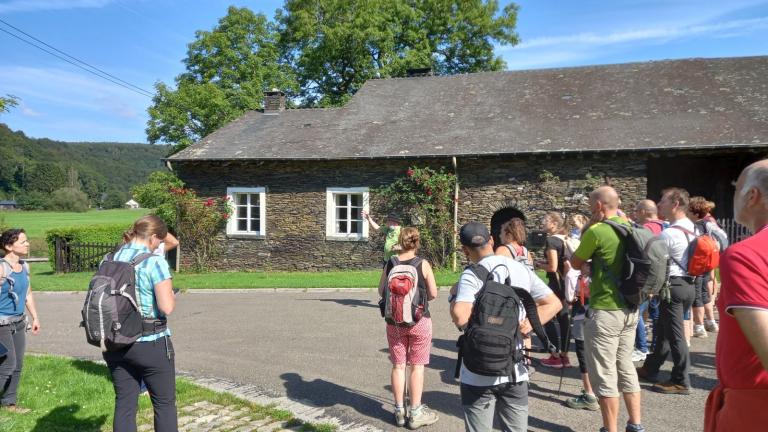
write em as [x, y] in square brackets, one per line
[393, 216]
[474, 234]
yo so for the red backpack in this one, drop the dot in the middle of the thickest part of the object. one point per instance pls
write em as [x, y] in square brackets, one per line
[404, 302]
[703, 253]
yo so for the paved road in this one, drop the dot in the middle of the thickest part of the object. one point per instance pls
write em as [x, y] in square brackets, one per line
[329, 348]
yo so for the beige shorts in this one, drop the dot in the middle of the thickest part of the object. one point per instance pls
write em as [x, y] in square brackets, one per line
[609, 338]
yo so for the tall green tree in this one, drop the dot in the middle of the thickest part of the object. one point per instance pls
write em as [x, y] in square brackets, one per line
[227, 71]
[336, 45]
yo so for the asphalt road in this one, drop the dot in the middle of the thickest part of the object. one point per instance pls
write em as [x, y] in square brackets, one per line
[329, 348]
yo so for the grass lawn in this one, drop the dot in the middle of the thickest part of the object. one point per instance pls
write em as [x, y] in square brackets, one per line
[44, 279]
[36, 223]
[68, 395]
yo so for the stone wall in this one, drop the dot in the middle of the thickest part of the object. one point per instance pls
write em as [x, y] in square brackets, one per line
[296, 194]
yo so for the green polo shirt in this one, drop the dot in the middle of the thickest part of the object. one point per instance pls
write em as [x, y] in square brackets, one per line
[390, 240]
[601, 244]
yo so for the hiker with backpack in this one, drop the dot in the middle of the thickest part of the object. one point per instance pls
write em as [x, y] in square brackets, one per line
[496, 302]
[557, 249]
[15, 297]
[145, 353]
[673, 207]
[406, 287]
[587, 399]
[738, 401]
[610, 322]
[700, 210]
[513, 239]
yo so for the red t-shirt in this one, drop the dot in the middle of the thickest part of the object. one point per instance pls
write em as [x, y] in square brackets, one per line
[656, 226]
[744, 275]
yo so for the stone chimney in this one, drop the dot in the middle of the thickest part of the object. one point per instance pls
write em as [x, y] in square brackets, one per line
[274, 101]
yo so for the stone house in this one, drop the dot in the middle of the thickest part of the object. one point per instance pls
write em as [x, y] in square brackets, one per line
[521, 143]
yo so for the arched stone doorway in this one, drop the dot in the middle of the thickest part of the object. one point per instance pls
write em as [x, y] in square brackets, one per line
[502, 214]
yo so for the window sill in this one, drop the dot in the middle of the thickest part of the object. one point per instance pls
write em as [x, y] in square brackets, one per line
[345, 238]
[246, 236]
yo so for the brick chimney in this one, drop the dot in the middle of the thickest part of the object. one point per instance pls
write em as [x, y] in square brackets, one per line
[274, 101]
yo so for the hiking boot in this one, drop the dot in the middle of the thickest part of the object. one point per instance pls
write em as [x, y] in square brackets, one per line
[400, 416]
[643, 374]
[699, 331]
[711, 326]
[583, 401]
[552, 362]
[421, 416]
[634, 428]
[671, 388]
[638, 355]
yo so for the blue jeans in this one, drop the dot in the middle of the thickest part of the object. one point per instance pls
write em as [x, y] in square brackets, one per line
[641, 337]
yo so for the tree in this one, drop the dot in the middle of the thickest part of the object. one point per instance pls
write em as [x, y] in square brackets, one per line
[228, 70]
[69, 199]
[336, 45]
[44, 177]
[157, 190]
[7, 102]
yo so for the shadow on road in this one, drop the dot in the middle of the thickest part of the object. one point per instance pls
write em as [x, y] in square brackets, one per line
[326, 394]
[63, 419]
[703, 360]
[348, 302]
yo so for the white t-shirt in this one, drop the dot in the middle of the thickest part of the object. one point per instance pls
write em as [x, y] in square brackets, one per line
[677, 242]
[521, 277]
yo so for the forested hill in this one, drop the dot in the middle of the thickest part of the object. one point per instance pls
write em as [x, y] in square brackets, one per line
[30, 169]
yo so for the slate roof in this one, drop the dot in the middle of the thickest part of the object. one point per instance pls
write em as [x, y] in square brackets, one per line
[696, 103]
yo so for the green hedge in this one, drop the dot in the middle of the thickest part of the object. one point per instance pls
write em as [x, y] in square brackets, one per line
[111, 234]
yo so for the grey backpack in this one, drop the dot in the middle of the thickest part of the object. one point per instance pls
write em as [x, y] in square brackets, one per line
[111, 314]
[644, 270]
[6, 276]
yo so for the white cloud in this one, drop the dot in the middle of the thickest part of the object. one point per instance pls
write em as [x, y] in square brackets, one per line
[39, 5]
[647, 34]
[29, 112]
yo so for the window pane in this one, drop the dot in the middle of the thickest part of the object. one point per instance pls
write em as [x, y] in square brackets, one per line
[341, 227]
[355, 213]
[341, 200]
[242, 212]
[356, 227]
[242, 225]
[255, 225]
[357, 200]
[341, 213]
[241, 199]
[254, 208]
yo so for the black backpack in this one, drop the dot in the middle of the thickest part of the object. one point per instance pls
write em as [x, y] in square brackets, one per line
[645, 264]
[111, 314]
[491, 343]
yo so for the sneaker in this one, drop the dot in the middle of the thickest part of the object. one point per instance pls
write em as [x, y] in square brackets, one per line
[638, 355]
[552, 362]
[400, 416]
[711, 326]
[421, 416]
[671, 388]
[634, 428]
[566, 361]
[583, 401]
[699, 331]
[16, 409]
[644, 375]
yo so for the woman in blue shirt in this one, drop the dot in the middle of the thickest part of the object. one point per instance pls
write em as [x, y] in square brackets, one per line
[15, 296]
[151, 357]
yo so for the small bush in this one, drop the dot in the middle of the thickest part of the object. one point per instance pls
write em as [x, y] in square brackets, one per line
[69, 199]
[109, 234]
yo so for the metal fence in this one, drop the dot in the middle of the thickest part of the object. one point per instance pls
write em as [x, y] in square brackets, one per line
[78, 257]
[736, 232]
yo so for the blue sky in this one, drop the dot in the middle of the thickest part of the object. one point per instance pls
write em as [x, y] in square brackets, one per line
[144, 41]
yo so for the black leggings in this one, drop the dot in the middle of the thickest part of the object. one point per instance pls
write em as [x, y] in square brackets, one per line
[154, 363]
[13, 336]
[557, 328]
[580, 356]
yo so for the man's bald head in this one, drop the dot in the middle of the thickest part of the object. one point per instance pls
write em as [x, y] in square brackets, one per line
[756, 175]
[645, 209]
[606, 195]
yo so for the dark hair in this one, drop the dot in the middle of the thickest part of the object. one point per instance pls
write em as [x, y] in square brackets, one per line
[144, 227]
[10, 236]
[409, 239]
[678, 195]
[515, 228]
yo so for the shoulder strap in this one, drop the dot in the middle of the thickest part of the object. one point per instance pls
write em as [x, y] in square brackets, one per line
[685, 231]
[138, 259]
[511, 250]
[7, 270]
[621, 230]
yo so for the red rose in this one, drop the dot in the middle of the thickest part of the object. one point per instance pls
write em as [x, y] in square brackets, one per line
[429, 192]
[409, 173]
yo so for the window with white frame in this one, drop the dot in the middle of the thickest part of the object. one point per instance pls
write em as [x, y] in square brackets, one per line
[344, 213]
[248, 211]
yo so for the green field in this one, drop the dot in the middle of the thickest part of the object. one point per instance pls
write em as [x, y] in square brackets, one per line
[36, 223]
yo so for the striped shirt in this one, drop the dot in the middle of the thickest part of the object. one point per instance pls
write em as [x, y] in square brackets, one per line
[149, 273]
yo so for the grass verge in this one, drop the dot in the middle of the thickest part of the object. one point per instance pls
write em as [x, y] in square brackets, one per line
[69, 395]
